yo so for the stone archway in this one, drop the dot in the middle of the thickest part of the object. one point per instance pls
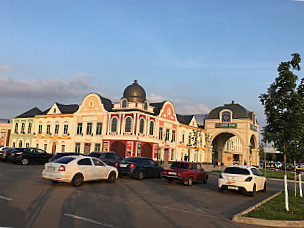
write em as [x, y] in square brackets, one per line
[119, 148]
[146, 151]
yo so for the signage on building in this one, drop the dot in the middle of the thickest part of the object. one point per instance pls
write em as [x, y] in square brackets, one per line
[129, 148]
[138, 149]
[225, 125]
[253, 128]
[155, 150]
[105, 146]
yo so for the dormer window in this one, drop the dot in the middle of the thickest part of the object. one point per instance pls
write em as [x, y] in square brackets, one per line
[91, 104]
[124, 103]
[54, 111]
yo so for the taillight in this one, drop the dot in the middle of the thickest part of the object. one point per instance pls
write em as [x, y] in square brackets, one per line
[248, 179]
[61, 168]
[116, 164]
[220, 177]
[132, 166]
[165, 172]
[179, 174]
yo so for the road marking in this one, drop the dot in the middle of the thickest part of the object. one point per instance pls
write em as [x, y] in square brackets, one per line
[5, 198]
[88, 220]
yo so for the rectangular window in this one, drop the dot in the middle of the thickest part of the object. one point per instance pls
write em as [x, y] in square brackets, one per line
[183, 138]
[37, 145]
[89, 128]
[99, 129]
[172, 155]
[40, 129]
[173, 135]
[160, 133]
[29, 129]
[48, 129]
[56, 129]
[45, 147]
[77, 147]
[97, 147]
[167, 134]
[63, 148]
[65, 129]
[79, 128]
[189, 139]
[27, 145]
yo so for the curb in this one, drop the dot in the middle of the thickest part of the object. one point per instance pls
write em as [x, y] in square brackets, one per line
[264, 222]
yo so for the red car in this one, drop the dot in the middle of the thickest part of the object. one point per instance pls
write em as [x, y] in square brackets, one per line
[185, 172]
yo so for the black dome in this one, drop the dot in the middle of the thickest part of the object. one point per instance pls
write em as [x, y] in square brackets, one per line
[135, 93]
[238, 112]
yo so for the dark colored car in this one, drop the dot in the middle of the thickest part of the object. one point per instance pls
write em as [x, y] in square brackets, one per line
[60, 155]
[110, 158]
[4, 153]
[24, 156]
[139, 168]
[185, 172]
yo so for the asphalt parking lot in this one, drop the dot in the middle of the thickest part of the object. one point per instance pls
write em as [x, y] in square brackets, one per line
[27, 200]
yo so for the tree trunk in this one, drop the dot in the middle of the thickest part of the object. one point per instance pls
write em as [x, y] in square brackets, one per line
[295, 178]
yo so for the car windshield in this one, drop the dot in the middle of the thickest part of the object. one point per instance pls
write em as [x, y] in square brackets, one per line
[64, 160]
[236, 170]
[180, 165]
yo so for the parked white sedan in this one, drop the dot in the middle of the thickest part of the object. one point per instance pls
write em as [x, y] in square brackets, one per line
[242, 178]
[76, 169]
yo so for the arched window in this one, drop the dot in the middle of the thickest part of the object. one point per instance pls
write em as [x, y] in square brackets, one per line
[16, 128]
[124, 103]
[22, 128]
[151, 127]
[128, 125]
[20, 143]
[146, 105]
[114, 125]
[141, 126]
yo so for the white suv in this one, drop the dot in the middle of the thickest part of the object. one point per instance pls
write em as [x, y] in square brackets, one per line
[242, 178]
[76, 169]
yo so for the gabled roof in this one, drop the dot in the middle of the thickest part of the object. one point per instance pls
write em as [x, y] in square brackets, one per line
[184, 119]
[157, 107]
[200, 119]
[30, 113]
[107, 103]
[67, 109]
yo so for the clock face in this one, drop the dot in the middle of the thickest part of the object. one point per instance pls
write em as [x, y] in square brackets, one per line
[226, 117]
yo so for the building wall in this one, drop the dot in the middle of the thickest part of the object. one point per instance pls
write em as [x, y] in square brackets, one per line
[5, 133]
[22, 132]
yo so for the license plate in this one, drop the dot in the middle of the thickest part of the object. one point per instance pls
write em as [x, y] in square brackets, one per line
[123, 165]
[172, 173]
[50, 169]
[233, 188]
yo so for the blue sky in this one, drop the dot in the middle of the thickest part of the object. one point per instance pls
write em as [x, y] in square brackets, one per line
[197, 54]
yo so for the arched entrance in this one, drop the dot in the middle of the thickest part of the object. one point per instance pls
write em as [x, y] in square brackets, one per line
[119, 148]
[20, 144]
[146, 151]
[54, 148]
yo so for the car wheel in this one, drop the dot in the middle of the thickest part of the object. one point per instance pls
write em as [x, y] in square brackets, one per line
[24, 161]
[205, 180]
[77, 180]
[190, 181]
[264, 189]
[221, 190]
[140, 175]
[112, 177]
[253, 193]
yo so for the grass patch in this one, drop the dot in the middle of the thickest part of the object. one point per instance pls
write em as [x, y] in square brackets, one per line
[275, 208]
[216, 171]
[280, 174]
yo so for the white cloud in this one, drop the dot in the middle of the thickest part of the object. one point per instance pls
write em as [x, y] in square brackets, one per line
[49, 88]
[155, 98]
[185, 107]
[5, 68]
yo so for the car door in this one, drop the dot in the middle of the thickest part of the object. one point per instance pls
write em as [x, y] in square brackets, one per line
[86, 168]
[109, 159]
[194, 172]
[200, 172]
[41, 155]
[258, 180]
[154, 168]
[100, 169]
